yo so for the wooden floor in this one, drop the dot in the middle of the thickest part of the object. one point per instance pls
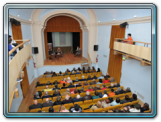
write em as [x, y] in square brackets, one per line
[66, 59]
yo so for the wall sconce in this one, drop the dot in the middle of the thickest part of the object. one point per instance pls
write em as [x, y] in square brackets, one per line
[22, 74]
[16, 92]
[27, 63]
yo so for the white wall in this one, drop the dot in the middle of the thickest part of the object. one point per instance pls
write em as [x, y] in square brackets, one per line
[10, 28]
[140, 32]
[138, 78]
[85, 44]
[30, 71]
[104, 33]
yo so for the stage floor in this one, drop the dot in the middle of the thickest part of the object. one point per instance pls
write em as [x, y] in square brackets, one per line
[65, 60]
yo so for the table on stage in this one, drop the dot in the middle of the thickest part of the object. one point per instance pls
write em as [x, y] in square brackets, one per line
[55, 55]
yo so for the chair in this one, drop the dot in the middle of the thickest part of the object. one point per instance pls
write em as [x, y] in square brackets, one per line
[56, 108]
[46, 109]
[88, 101]
[54, 99]
[129, 94]
[104, 98]
[79, 103]
[148, 111]
[108, 108]
[117, 106]
[87, 111]
[82, 94]
[73, 95]
[35, 110]
[99, 110]
[96, 100]
[121, 96]
[69, 105]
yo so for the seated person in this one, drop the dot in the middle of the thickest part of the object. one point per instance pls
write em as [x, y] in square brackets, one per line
[116, 102]
[38, 84]
[79, 84]
[78, 53]
[71, 85]
[93, 69]
[89, 77]
[116, 85]
[66, 73]
[112, 93]
[85, 83]
[68, 99]
[112, 79]
[129, 40]
[48, 103]
[100, 81]
[106, 80]
[46, 95]
[97, 106]
[59, 52]
[58, 101]
[47, 89]
[107, 75]
[69, 80]
[36, 96]
[55, 82]
[63, 109]
[56, 87]
[35, 105]
[111, 85]
[76, 79]
[136, 108]
[119, 91]
[106, 103]
[76, 50]
[89, 89]
[96, 95]
[103, 87]
[105, 94]
[56, 93]
[60, 74]
[78, 98]
[127, 90]
[77, 72]
[48, 83]
[54, 74]
[66, 93]
[76, 108]
[144, 107]
[125, 109]
[83, 79]
[94, 77]
[68, 70]
[46, 73]
[79, 69]
[51, 110]
[97, 87]
[87, 97]
[81, 90]
[72, 73]
[84, 70]
[64, 86]
[73, 69]
[94, 82]
[63, 81]
[127, 99]
[134, 97]
[98, 70]
[73, 91]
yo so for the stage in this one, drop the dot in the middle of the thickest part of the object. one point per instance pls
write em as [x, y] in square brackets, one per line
[65, 60]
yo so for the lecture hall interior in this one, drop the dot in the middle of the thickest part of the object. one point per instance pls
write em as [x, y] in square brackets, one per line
[79, 60]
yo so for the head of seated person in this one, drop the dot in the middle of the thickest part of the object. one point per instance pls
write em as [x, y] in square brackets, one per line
[98, 70]
[117, 100]
[99, 104]
[48, 83]
[37, 95]
[35, 102]
[47, 87]
[145, 106]
[96, 93]
[98, 86]
[76, 91]
[56, 92]
[78, 96]
[128, 89]
[82, 90]
[127, 97]
[94, 81]
[85, 83]
[125, 109]
[51, 110]
[134, 96]
[89, 77]
[60, 73]
[93, 68]
[47, 100]
[107, 101]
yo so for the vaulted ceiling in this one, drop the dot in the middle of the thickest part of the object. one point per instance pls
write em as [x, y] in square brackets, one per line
[103, 15]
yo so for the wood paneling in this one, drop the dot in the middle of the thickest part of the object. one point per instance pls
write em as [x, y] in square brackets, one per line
[61, 24]
[17, 33]
[115, 61]
[25, 82]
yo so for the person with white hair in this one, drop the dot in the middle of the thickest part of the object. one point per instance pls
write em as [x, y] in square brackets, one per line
[47, 103]
[46, 95]
[116, 85]
[83, 79]
[111, 85]
[68, 99]
[77, 72]
[78, 98]
[119, 91]
[36, 96]
[69, 80]
[66, 93]
[112, 79]
[87, 97]
[35, 105]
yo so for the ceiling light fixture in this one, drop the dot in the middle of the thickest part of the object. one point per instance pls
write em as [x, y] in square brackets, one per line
[98, 21]
[113, 19]
[18, 15]
[135, 16]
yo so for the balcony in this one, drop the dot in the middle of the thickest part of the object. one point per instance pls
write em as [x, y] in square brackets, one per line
[131, 51]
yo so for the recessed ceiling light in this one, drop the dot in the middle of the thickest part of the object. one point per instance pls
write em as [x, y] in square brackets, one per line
[113, 19]
[135, 16]
[98, 21]
[18, 15]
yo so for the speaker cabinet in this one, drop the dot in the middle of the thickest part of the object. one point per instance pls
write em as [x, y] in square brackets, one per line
[35, 50]
[95, 47]
[123, 24]
[15, 22]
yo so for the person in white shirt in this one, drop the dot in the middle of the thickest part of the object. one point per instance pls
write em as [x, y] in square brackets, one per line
[135, 109]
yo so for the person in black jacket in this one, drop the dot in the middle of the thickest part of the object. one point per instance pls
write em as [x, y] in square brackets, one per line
[56, 93]
[38, 84]
[71, 85]
[77, 98]
[36, 96]
[127, 99]
[116, 85]
[56, 87]
[64, 87]
[58, 102]
[94, 77]
[134, 97]
[119, 91]
[127, 90]
[47, 104]
[35, 105]
[89, 77]
[46, 95]
[144, 107]
[79, 84]
[107, 75]
[68, 99]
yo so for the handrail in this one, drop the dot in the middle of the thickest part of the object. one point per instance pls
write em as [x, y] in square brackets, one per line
[10, 52]
[116, 39]
[89, 59]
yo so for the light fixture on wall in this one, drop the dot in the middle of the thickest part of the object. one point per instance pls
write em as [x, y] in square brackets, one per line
[18, 15]
[98, 21]
[27, 63]
[29, 19]
[17, 92]
[135, 16]
[113, 19]
[22, 74]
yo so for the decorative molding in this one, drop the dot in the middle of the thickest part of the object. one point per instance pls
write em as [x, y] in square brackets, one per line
[130, 21]
[19, 19]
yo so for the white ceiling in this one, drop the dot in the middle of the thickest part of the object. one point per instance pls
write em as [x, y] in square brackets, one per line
[103, 15]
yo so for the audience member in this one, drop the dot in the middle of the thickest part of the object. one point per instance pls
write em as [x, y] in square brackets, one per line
[56, 87]
[94, 82]
[47, 89]
[77, 98]
[127, 99]
[85, 83]
[89, 89]
[112, 93]
[48, 83]
[97, 106]
[105, 94]
[46, 95]
[112, 79]
[89, 77]
[98, 87]
[63, 109]
[116, 85]
[81, 90]
[71, 85]
[111, 85]
[106, 103]
[60, 74]
[54, 74]
[69, 80]
[51, 110]
[38, 84]
[67, 92]
[66, 73]
[87, 97]
[58, 101]
[119, 91]
[83, 79]
[48, 103]
[106, 80]
[76, 108]
[136, 108]
[55, 82]
[56, 93]
[64, 86]
[144, 107]
[36, 96]
[79, 84]
[77, 72]
[63, 81]
[94, 77]
[100, 81]
[134, 97]
[67, 99]
[96, 95]
[72, 73]
[98, 70]
[35, 105]
[127, 90]
[107, 75]
[115, 102]
[103, 87]
[125, 109]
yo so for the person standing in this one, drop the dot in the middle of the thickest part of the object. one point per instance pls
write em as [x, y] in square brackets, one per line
[59, 52]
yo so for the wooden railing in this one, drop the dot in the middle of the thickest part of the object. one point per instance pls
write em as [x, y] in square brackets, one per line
[134, 51]
[15, 66]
